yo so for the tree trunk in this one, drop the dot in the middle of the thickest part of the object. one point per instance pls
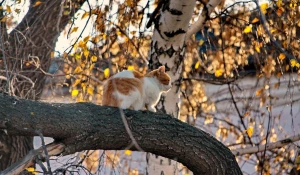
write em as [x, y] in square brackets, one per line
[167, 48]
[27, 49]
[86, 126]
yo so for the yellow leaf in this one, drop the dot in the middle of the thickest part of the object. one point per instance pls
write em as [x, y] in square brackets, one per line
[258, 92]
[106, 72]
[279, 3]
[90, 90]
[77, 70]
[8, 9]
[280, 11]
[248, 29]
[298, 160]
[96, 39]
[52, 55]
[86, 53]
[82, 44]
[250, 131]
[77, 56]
[4, 19]
[86, 39]
[128, 152]
[130, 68]
[246, 114]
[86, 14]
[31, 113]
[293, 62]
[201, 42]
[255, 20]
[93, 58]
[197, 65]
[92, 66]
[119, 33]
[77, 81]
[264, 7]
[75, 47]
[66, 12]
[257, 49]
[74, 93]
[281, 56]
[37, 3]
[74, 29]
[30, 169]
[104, 36]
[219, 73]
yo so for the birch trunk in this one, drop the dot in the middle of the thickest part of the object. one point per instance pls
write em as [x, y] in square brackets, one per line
[167, 48]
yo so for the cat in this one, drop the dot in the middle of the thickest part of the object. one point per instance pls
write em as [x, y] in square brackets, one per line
[131, 89]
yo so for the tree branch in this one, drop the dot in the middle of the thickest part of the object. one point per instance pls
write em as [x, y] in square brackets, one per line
[270, 146]
[198, 25]
[86, 126]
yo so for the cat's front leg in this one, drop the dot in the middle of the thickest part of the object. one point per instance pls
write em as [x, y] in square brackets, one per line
[151, 108]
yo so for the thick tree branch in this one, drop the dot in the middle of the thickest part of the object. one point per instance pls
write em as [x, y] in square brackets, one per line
[85, 126]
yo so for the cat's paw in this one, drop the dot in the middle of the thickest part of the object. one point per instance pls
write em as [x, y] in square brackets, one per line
[151, 108]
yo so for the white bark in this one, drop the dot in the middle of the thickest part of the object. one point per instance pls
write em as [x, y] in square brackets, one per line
[278, 144]
[167, 48]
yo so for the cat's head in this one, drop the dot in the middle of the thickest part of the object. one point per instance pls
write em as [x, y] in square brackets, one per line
[163, 79]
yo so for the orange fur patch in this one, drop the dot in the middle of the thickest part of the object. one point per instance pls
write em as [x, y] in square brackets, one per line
[163, 77]
[123, 86]
[137, 74]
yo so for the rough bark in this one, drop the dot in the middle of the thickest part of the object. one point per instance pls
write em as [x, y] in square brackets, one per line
[85, 126]
[35, 36]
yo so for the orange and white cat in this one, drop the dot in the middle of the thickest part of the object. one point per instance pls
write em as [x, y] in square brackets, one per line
[131, 89]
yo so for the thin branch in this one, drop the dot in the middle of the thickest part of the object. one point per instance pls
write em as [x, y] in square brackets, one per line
[90, 14]
[45, 151]
[5, 63]
[60, 15]
[270, 146]
[29, 160]
[198, 25]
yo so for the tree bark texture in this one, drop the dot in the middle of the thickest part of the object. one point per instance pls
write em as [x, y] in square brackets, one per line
[85, 126]
[168, 49]
[35, 36]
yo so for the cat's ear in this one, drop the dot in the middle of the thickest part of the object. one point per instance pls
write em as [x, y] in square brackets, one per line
[162, 69]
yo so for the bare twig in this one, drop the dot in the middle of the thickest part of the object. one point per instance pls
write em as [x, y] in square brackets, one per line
[45, 151]
[5, 64]
[29, 160]
[90, 14]
[60, 15]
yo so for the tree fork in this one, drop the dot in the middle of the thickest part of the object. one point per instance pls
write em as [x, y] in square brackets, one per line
[86, 126]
